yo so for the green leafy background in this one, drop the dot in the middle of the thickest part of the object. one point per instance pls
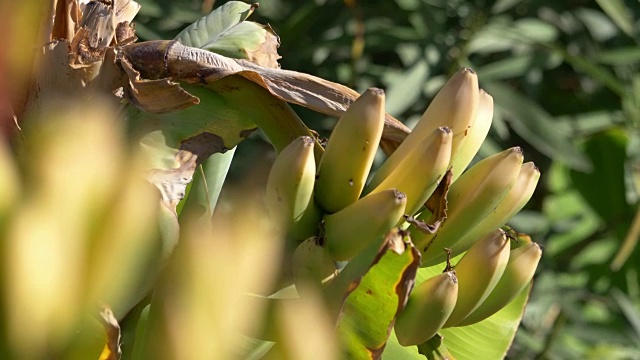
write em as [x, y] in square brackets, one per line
[564, 75]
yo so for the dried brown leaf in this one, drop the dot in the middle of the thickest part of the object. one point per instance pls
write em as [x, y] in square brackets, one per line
[155, 96]
[111, 350]
[170, 59]
[267, 54]
[437, 205]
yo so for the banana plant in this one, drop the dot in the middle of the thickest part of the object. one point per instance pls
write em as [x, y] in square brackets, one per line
[183, 106]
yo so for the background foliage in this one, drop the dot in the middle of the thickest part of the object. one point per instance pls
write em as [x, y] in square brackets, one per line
[564, 75]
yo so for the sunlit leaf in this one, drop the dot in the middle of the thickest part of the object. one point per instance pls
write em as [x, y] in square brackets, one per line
[607, 152]
[373, 299]
[225, 31]
[619, 13]
[533, 123]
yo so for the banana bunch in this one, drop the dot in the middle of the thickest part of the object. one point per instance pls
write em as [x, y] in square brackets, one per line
[332, 213]
[487, 278]
[323, 203]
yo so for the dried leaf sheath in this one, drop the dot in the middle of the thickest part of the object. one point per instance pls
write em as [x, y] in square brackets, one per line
[170, 59]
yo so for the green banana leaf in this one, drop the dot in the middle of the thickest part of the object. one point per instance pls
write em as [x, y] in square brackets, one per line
[210, 30]
[215, 25]
[487, 340]
[225, 32]
[371, 301]
[531, 122]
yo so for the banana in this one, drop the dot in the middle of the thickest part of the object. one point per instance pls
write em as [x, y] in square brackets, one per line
[455, 106]
[420, 172]
[289, 191]
[428, 307]
[478, 272]
[347, 159]
[510, 205]
[477, 133]
[520, 269]
[353, 228]
[470, 199]
[311, 264]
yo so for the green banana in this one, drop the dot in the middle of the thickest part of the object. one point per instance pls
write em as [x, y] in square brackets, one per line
[353, 228]
[347, 159]
[478, 271]
[429, 306]
[311, 264]
[420, 172]
[520, 269]
[455, 106]
[289, 191]
[510, 205]
[477, 133]
[469, 201]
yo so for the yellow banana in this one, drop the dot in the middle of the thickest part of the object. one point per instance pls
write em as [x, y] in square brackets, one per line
[420, 172]
[510, 205]
[290, 189]
[477, 133]
[311, 264]
[455, 106]
[470, 200]
[353, 228]
[520, 269]
[349, 154]
[478, 272]
[428, 307]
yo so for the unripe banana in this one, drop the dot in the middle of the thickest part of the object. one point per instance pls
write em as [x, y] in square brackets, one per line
[429, 306]
[476, 136]
[290, 189]
[311, 264]
[510, 205]
[352, 146]
[420, 172]
[522, 265]
[478, 272]
[469, 201]
[353, 228]
[455, 107]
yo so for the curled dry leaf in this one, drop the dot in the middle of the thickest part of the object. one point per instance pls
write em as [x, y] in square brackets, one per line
[111, 350]
[170, 59]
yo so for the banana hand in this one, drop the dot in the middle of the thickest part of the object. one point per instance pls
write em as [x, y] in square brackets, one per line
[520, 269]
[455, 107]
[470, 200]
